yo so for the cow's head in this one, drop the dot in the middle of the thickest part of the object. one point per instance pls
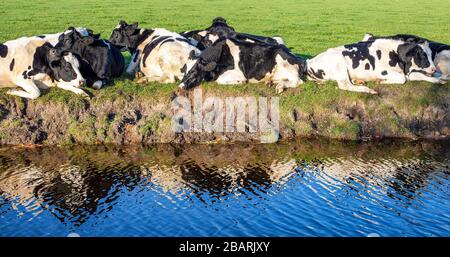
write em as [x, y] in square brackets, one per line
[125, 35]
[65, 68]
[195, 71]
[416, 57]
[73, 39]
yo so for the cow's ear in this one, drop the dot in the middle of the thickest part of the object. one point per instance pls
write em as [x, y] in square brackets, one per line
[96, 36]
[131, 28]
[87, 40]
[210, 66]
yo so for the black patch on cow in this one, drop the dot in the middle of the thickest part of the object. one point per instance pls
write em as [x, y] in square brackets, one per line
[379, 54]
[11, 65]
[384, 73]
[183, 69]
[394, 59]
[136, 56]
[319, 74]
[150, 46]
[367, 67]
[359, 52]
[41, 36]
[29, 67]
[183, 40]
[24, 75]
[217, 56]
[408, 53]
[3, 50]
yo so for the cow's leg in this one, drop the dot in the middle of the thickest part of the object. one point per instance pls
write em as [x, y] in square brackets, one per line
[30, 90]
[347, 85]
[231, 77]
[394, 78]
[134, 63]
[73, 89]
[417, 76]
[99, 84]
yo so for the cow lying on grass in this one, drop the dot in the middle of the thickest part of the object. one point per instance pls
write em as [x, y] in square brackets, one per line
[232, 61]
[220, 29]
[100, 61]
[386, 60]
[440, 54]
[158, 53]
[32, 63]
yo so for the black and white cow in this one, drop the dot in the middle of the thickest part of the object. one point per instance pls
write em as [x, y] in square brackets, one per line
[440, 53]
[158, 53]
[32, 63]
[232, 61]
[389, 61]
[220, 29]
[100, 60]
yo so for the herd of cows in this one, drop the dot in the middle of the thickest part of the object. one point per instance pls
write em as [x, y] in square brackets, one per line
[78, 57]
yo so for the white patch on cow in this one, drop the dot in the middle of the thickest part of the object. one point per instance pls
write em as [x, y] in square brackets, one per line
[213, 38]
[203, 33]
[367, 36]
[279, 40]
[285, 75]
[234, 76]
[97, 84]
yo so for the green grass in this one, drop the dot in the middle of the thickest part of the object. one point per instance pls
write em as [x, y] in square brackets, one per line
[308, 27]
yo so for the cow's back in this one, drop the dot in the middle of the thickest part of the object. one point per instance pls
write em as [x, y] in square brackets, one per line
[19, 58]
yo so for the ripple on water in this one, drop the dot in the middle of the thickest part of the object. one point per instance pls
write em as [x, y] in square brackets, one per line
[296, 189]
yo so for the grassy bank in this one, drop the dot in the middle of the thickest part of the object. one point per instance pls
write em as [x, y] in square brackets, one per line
[124, 112]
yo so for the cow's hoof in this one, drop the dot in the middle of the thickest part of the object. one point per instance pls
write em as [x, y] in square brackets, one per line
[142, 80]
[97, 85]
[359, 82]
[373, 92]
[138, 75]
[279, 89]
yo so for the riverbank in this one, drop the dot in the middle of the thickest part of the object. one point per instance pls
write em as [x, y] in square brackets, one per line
[127, 113]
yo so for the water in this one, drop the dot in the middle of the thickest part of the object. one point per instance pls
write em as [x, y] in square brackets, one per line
[307, 188]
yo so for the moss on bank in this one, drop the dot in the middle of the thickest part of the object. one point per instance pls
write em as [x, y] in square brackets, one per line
[125, 112]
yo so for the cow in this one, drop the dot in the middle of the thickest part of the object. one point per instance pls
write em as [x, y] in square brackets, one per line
[158, 53]
[219, 29]
[32, 63]
[100, 60]
[440, 52]
[388, 61]
[232, 61]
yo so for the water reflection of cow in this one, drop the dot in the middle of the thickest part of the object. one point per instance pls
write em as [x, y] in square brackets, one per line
[74, 185]
[74, 188]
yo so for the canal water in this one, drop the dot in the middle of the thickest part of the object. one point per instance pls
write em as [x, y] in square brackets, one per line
[303, 188]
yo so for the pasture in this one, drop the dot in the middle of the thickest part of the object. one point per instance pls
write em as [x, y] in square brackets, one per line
[308, 27]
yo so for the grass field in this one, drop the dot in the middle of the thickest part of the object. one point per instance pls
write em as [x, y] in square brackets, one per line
[308, 27]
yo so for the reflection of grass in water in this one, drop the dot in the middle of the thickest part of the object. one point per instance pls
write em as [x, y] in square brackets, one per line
[223, 155]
